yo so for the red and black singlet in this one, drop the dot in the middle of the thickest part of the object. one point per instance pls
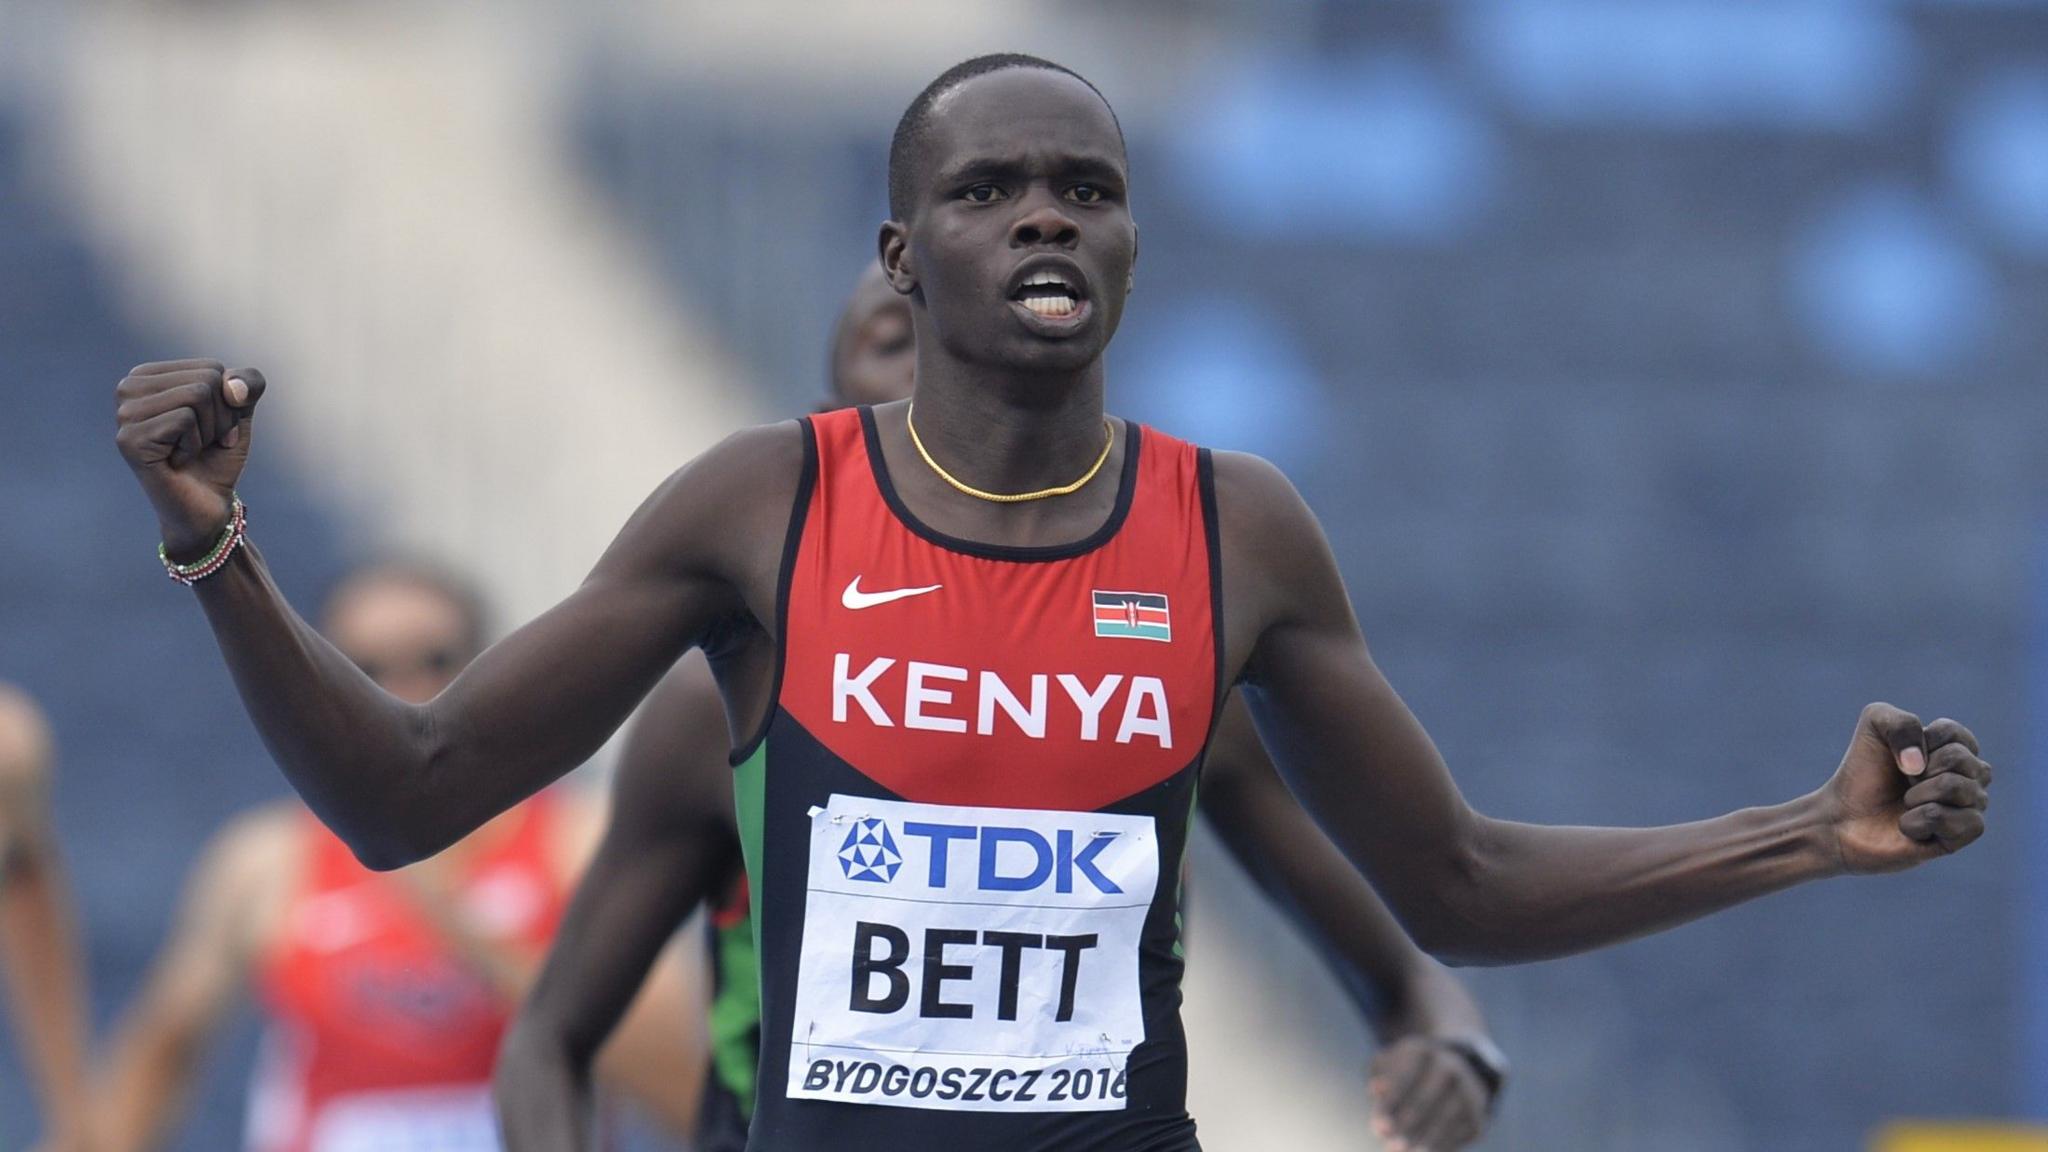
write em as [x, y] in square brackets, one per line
[379, 1036]
[966, 813]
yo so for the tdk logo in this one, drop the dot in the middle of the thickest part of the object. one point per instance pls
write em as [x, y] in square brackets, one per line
[870, 852]
[1007, 859]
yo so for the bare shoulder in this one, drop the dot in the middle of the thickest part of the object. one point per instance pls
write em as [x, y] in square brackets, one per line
[253, 862]
[739, 492]
[766, 456]
[1275, 557]
[708, 543]
[1256, 502]
[26, 747]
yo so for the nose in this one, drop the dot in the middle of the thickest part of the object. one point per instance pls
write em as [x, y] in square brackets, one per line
[1044, 224]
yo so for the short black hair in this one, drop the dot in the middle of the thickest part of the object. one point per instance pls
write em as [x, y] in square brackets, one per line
[916, 122]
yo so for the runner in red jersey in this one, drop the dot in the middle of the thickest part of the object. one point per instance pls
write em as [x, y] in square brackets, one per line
[385, 996]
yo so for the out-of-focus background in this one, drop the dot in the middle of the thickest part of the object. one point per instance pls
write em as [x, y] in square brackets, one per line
[1668, 373]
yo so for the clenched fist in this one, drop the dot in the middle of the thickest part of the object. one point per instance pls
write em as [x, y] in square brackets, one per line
[1426, 1097]
[183, 426]
[1906, 793]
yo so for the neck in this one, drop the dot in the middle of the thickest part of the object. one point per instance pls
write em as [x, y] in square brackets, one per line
[1008, 432]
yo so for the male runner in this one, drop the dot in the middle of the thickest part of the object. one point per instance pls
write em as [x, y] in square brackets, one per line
[385, 996]
[976, 653]
[672, 842]
[38, 930]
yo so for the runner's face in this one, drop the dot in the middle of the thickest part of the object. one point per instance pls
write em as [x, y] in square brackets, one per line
[1024, 176]
[876, 360]
[409, 638]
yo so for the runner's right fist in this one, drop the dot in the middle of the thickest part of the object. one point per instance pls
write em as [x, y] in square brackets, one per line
[183, 426]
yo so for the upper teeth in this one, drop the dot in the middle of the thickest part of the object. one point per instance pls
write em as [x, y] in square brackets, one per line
[1051, 279]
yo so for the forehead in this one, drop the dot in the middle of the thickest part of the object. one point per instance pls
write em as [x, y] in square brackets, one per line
[1033, 116]
[377, 609]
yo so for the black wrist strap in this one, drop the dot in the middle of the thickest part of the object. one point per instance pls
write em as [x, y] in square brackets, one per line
[1487, 1062]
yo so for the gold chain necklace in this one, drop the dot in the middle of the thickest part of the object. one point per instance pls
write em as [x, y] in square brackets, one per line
[1108, 442]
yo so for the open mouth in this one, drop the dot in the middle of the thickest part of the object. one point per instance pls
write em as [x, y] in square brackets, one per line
[1049, 294]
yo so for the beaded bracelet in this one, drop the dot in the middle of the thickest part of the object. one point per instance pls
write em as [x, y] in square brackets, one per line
[230, 538]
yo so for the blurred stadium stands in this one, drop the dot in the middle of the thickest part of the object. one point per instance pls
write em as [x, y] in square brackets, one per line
[153, 748]
[1669, 375]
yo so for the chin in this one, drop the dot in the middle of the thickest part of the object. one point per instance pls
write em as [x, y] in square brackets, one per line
[1052, 357]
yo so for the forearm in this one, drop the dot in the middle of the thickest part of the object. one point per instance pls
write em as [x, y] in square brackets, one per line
[400, 782]
[657, 1055]
[357, 755]
[147, 1080]
[38, 936]
[1432, 1002]
[545, 1099]
[1528, 892]
[1475, 890]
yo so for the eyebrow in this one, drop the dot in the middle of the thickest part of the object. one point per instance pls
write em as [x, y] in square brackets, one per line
[1091, 167]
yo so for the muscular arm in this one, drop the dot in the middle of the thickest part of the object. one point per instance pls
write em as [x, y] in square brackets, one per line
[657, 1055]
[39, 955]
[1479, 890]
[399, 782]
[161, 1038]
[670, 845]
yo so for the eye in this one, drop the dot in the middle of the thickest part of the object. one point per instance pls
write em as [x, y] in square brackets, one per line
[982, 193]
[1085, 194]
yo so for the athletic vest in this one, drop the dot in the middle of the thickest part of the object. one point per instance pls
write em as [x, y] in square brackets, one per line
[735, 1025]
[965, 817]
[378, 1037]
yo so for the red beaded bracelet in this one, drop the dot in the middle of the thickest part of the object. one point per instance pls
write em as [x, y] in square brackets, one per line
[230, 539]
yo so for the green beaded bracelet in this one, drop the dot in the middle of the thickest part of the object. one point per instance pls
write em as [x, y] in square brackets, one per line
[230, 538]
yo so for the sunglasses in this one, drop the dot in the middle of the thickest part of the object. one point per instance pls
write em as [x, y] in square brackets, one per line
[428, 662]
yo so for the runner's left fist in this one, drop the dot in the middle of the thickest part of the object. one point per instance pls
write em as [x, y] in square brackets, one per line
[1906, 793]
[1426, 1097]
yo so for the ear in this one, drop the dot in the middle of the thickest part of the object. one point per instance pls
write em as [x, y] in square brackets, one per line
[1131, 276]
[894, 245]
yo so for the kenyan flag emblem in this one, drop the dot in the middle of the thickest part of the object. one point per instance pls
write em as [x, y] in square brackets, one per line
[1133, 616]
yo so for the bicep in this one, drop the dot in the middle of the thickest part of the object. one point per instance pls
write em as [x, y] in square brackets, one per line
[703, 549]
[1346, 743]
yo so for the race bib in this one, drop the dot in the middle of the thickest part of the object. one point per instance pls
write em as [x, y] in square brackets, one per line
[972, 959]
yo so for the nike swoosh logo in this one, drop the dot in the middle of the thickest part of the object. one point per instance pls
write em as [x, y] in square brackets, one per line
[856, 599]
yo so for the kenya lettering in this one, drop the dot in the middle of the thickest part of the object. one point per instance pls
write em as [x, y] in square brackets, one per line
[929, 706]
